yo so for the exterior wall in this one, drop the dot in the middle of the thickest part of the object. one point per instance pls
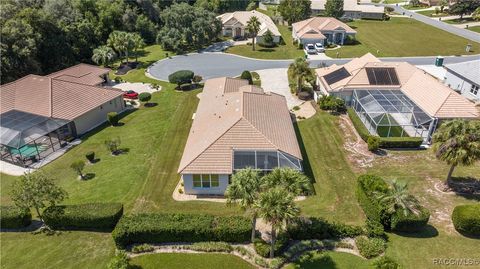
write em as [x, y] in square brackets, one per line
[305, 41]
[461, 85]
[376, 16]
[97, 116]
[189, 189]
[352, 14]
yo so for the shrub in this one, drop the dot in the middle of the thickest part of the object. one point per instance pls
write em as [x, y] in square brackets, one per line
[263, 248]
[385, 262]
[113, 144]
[90, 156]
[251, 6]
[332, 103]
[300, 45]
[12, 217]
[92, 216]
[112, 118]
[144, 97]
[78, 166]
[466, 219]
[373, 143]
[410, 222]
[296, 108]
[370, 247]
[255, 75]
[142, 248]
[181, 77]
[209, 247]
[318, 228]
[248, 76]
[304, 96]
[374, 229]
[197, 79]
[119, 261]
[389, 9]
[162, 228]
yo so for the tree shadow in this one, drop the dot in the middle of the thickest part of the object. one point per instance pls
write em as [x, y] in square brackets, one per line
[266, 50]
[34, 225]
[88, 176]
[149, 104]
[310, 260]
[466, 187]
[428, 232]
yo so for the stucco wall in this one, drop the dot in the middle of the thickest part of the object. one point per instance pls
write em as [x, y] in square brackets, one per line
[189, 189]
[459, 84]
[97, 116]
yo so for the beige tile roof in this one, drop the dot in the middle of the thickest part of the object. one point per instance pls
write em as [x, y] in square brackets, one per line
[226, 119]
[317, 25]
[244, 16]
[51, 97]
[427, 92]
[81, 73]
[348, 5]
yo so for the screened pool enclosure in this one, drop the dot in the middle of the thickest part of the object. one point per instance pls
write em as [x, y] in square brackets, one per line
[390, 113]
[27, 138]
[264, 160]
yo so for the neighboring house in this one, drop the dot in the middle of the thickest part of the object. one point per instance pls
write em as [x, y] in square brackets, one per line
[352, 9]
[464, 78]
[322, 30]
[386, 94]
[40, 113]
[236, 125]
[234, 24]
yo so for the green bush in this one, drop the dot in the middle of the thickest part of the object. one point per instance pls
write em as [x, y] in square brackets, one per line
[12, 217]
[92, 216]
[181, 77]
[374, 229]
[370, 247]
[162, 228]
[119, 261]
[90, 156]
[385, 262]
[262, 248]
[373, 143]
[112, 118]
[332, 103]
[318, 228]
[410, 222]
[144, 97]
[142, 248]
[197, 79]
[255, 75]
[466, 219]
[209, 247]
[248, 76]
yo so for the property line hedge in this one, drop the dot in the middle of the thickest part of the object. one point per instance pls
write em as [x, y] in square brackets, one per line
[466, 219]
[92, 216]
[385, 142]
[12, 217]
[162, 228]
[319, 228]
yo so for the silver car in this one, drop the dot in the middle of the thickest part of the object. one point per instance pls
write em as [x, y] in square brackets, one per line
[310, 49]
[319, 47]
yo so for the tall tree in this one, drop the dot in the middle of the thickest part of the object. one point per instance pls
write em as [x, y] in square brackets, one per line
[295, 10]
[299, 69]
[457, 142]
[276, 206]
[36, 190]
[462, 7]
[476, 14]
[290, 179]
[253, 27]
[103, 55]
[398, 198]
[244, 190]
[443, 4]
[334, 8]
[122, 42]
[138, 43]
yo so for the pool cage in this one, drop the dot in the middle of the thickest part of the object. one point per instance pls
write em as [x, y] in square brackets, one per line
[27, 138]
[390, 113]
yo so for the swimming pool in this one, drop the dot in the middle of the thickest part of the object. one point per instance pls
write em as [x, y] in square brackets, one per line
[28, 150]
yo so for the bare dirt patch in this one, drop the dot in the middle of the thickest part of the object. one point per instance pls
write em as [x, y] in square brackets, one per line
[439, 203]
[357, 151]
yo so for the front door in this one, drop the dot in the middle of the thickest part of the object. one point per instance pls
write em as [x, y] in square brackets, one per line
[238, 32]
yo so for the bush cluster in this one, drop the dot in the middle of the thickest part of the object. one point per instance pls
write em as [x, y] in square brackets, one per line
[318, 228]
[370, 247]
[162, 228]
[142, 248]
[92, 216]
[181, 77]
[263, 248]
[12, 217]
[247, 76]
[332, 103]
[466, 219]
[385, 262]
[90, 156]
[113, 118]
[209, 247]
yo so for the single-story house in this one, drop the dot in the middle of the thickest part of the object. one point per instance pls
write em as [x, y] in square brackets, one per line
[394, 98]
[236, 125]
[40, 113]
[465, 78]
[351, 9]
[321, 30]
[234, 24]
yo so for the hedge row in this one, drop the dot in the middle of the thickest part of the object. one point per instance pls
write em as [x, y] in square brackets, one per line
[368, 189]
[11, 217]
[101, 216]
[466, 219]
[318, 228]
[162, 228]
[385, 142]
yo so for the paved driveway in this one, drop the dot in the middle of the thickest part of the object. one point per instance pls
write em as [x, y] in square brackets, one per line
[276, 80]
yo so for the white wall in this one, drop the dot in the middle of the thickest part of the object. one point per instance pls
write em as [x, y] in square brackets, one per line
[459, 84]
[189, 189]
[97, 116]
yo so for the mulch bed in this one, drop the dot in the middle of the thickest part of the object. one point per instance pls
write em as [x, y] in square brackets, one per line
[124, 68]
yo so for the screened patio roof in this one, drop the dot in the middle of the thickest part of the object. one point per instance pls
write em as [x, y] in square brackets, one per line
[19, 128]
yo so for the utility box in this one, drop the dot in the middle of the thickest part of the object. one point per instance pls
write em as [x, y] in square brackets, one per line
[439, 61]
[468, 47]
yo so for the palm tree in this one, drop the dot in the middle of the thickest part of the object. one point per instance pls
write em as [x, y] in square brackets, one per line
[457, 142]
[292, 180]
[276, 206]
[116, 40]
[103, 55]
[299, 69]
[138, 43]
[253, 27]
[398, 198]
[244, 190]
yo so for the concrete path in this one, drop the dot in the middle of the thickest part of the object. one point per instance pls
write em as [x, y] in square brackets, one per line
[276, 80]
[137, 87]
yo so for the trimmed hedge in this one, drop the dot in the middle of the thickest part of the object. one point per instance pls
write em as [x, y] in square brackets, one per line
[162, 228]
[318, 228]
[466, 219]
[101, 216]
[370, 247]
[12, 217]
[411, 222]
[385, 142]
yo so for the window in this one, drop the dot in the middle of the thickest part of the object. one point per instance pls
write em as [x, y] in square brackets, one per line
[214, 181]
[206, 181]
[474, 89]
[197, 181]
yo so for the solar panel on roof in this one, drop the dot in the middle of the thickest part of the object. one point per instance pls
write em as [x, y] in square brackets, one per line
[382, 76]
[336, 76]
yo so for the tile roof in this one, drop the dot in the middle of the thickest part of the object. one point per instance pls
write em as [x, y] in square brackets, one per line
[469, 70]
[52, 97]
[244, 16]
[349, 5]
[81, 73]
[227, 119]
[313, 27]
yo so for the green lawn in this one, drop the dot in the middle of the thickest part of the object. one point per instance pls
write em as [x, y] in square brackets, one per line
[189, 261]
[329, 260]
[393, 1]
[410, 7]
[460, 21]
[474, 28]
[394, 38]
[431, 13]
[287, 51]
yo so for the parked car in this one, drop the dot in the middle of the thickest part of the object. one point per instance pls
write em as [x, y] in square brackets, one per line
[310, 49]
[130, 94]
[319, 47]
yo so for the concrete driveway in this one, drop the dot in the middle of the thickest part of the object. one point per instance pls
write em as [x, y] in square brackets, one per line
[276, 80]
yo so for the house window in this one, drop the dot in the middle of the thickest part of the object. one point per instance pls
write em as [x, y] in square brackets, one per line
[206, 181]
[474, 89]
[197, 181]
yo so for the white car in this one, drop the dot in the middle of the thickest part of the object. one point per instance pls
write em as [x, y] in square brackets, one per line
[310, 49]
[319, 47]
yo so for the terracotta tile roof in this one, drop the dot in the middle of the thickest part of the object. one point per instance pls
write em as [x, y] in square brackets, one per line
[81, 73]
[52, 97]
[313, 27]
[227, 119]
[244, 16]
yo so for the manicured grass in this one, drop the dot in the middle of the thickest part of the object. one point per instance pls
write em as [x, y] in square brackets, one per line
[329, 260]
[394, 38]
[460, 21]
[65, 250]
[189, 261]
[393, 1]
[431, 13]
[410, 7]
[474, 28]
[287, 51]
